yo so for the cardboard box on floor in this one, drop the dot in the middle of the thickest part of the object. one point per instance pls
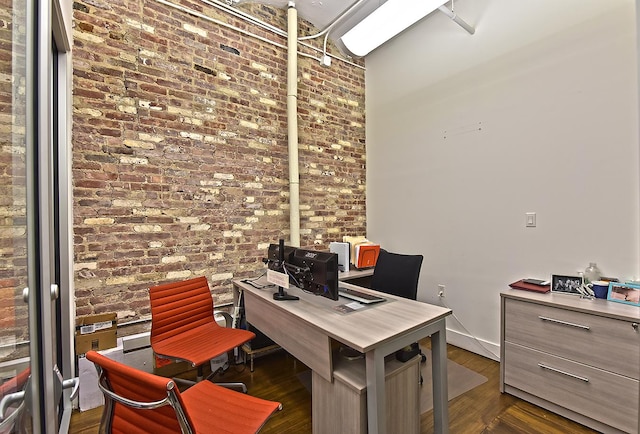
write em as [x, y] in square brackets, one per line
[95, 332]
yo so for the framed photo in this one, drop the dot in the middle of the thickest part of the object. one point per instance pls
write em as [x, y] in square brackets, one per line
[628, 293]
[566, 284]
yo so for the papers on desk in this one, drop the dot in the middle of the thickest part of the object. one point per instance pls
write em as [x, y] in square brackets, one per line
[363, 253]
[352, 306]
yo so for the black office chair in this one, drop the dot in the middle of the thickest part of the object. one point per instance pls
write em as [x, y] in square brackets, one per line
[398, 275]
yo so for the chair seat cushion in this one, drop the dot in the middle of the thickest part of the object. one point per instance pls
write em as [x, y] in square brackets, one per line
[216, 409]
[203, 343]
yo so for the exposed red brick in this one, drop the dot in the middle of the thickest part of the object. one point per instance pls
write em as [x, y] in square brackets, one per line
[169, 88]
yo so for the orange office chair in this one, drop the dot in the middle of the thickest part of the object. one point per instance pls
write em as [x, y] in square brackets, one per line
[13, 403]
[183, 326]
[138, 402]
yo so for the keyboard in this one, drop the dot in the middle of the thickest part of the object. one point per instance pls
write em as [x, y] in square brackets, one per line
[359, 296]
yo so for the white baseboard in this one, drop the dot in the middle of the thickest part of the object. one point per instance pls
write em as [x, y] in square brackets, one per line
[486, 349]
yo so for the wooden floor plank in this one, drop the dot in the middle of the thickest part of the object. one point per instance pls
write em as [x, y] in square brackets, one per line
[481, 410]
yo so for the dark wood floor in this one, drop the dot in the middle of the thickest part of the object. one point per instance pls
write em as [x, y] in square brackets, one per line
[480, 410]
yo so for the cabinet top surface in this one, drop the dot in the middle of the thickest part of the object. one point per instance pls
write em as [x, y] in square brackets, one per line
[596, 306]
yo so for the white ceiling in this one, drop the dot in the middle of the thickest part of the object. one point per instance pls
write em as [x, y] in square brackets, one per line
[322, 13]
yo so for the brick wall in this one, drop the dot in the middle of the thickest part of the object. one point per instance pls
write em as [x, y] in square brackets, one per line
[180, 163]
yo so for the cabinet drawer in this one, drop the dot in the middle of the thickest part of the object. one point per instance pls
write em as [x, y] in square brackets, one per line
[606, 343]
[610, 398]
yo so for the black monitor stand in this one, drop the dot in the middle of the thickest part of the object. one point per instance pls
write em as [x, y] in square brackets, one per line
[281, 295]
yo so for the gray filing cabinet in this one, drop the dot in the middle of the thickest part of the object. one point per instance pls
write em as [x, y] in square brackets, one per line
[577, 357]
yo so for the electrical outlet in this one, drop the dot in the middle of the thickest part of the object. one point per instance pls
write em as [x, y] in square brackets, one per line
[441, 289]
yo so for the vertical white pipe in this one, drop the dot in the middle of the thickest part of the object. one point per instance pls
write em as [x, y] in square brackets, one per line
[292, 121]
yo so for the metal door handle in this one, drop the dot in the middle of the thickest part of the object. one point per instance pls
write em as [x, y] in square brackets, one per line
[55, 292]
[72, 383]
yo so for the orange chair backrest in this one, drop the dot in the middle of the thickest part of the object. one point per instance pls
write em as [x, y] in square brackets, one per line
[140, 386]
[180, 306]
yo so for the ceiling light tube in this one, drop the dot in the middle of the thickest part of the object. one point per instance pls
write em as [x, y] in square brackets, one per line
[387, 21]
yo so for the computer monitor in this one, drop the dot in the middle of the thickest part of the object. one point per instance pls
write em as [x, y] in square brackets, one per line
[316, 272]
[273, 256]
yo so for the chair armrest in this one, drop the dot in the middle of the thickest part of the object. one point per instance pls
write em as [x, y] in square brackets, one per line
[228, 319]
[7, 423]
[134, 404]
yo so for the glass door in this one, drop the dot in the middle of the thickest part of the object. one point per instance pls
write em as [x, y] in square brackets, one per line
[15, 366]
[36, 362]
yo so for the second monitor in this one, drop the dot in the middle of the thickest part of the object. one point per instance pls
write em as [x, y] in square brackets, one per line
[320, 275]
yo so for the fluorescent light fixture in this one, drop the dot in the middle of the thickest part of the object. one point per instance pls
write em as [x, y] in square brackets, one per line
[385, 22]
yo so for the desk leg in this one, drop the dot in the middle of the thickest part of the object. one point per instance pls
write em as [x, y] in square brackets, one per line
[439, 373]
[376, 409]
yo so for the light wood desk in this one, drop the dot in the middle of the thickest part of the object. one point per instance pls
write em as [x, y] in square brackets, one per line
[354, 274]
[310, 327]
[360, 277]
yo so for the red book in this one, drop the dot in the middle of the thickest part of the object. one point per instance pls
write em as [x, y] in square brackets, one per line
[530, 286]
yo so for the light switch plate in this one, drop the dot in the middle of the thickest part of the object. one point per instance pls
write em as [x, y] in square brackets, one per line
[530, 220]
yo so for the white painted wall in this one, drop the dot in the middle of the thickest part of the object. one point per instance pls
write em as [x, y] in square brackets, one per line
[538, 111]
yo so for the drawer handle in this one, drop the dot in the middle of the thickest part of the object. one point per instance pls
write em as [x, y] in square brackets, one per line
[568, 374]
[557, 321]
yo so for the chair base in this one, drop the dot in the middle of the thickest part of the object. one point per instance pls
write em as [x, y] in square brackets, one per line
[200, 377]
[229, 385]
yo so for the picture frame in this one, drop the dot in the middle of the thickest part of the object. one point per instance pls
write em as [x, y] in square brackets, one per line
[566, 284]
[628, 293]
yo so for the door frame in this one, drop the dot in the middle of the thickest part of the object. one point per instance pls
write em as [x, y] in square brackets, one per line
[62, 11]
[50, 321]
